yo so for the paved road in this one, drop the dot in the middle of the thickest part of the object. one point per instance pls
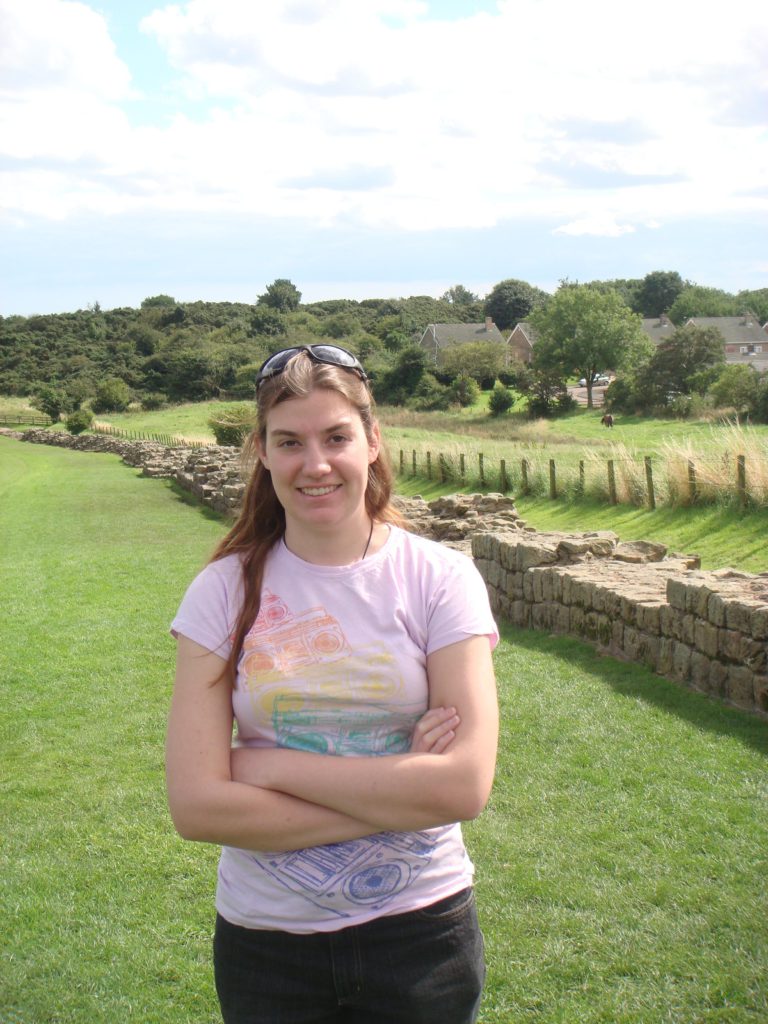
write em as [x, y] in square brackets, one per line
[580, 394]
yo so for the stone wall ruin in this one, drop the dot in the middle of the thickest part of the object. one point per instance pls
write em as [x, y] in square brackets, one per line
[707, 630]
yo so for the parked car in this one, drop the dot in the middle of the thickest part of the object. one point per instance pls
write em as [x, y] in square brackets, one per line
[598, 379]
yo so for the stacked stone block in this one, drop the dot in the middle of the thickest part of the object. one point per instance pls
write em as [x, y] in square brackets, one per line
[708, 630]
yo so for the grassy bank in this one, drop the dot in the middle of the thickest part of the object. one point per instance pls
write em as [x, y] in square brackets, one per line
[621, 863]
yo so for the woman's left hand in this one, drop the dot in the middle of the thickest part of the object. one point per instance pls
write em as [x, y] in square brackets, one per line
[434, 731]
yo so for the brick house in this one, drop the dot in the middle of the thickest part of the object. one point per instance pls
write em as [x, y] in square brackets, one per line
[521, 341]
[745, 340]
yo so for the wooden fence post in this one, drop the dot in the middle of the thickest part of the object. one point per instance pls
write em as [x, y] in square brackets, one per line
[649, 483]
[581, 476]
[524, 485]
[402, 461]
[429, 465]
[443, 469]
[413, 461]
[611, 482]
[552, 479]
[503, 481]
[691, 481]
[741, 479]
[461, 467]
[481, 465]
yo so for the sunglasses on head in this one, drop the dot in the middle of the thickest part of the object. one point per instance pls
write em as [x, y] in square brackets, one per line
[332, 355]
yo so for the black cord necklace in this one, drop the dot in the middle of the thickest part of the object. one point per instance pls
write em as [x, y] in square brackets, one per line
[368, 542]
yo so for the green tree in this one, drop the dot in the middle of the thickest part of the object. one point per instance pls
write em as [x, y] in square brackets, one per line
[51, 401]
[696, 300]
[482, 360]
[112, 395]
[431, 395]
[401, 382]
[458, 295]
[760, 407]
[282, 295]
[680, 364]
[340, 325]
[755, 302]
[582, 331]
[466, 390]
[500, 400]
[511, 301]
[658, 292]
[546, 392]
[268, 322]
[627, 287]
[736, 388]
[158, 301]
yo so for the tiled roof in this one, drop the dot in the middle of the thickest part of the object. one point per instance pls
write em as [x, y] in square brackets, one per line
[736, 330]
[447, 335]
[658, 328]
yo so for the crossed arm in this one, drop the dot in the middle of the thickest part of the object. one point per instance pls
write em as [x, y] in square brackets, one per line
[278, 799]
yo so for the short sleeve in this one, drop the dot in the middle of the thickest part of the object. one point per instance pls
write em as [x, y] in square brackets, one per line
[459, 607]
[208, 611]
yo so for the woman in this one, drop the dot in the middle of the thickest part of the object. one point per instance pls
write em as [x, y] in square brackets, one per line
[322, 628]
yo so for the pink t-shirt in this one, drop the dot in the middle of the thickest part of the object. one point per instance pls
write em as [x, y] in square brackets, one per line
[336, 664]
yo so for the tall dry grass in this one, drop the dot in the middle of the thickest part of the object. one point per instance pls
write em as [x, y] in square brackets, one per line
[683, 472]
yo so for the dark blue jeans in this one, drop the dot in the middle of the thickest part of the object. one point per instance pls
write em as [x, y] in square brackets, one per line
[423, 967]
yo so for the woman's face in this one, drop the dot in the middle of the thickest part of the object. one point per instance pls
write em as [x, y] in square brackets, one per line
[317, 453]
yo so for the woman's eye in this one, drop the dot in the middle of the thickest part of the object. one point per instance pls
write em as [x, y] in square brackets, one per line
[338, 439]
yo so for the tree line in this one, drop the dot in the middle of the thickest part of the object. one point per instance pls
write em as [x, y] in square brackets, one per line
[169, 351]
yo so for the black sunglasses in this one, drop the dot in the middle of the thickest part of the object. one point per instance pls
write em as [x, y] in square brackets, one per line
[332, 355]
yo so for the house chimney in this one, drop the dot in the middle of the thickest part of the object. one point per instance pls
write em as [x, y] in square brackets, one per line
[489, 323]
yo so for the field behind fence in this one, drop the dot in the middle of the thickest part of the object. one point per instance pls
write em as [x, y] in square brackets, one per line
[731, 468]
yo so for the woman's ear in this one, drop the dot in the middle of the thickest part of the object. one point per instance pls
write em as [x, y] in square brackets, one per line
[261, 452]
[374, 445]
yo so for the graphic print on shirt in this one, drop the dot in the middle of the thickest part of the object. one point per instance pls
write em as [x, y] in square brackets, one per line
[319, 694]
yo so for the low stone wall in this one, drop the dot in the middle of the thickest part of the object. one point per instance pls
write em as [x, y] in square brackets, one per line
[708, 630]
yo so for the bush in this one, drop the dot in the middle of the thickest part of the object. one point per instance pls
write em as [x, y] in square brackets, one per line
[501, 400]
[112, 395]
[466, 390]
[78, 421]
[431, 395]
[153, 400]
[233, 425]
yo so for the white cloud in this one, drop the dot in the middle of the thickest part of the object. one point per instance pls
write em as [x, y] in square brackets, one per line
[605, 227]
[454, 124]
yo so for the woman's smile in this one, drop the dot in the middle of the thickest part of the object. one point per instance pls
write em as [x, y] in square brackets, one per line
[318, 454]
[318, 492]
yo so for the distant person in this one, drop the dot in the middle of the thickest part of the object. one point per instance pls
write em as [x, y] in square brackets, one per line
[355, 661]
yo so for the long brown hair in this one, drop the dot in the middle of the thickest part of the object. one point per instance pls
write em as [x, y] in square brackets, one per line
[261, 522]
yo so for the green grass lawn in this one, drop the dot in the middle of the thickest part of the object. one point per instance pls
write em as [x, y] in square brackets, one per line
[621, 863]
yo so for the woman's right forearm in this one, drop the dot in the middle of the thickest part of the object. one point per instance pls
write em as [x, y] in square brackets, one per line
[230, 813]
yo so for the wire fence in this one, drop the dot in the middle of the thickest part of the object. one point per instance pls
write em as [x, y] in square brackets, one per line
[169, 440]
[674, 478]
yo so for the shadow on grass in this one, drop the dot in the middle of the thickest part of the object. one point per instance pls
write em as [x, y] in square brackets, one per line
[191, 501]
[635, 681]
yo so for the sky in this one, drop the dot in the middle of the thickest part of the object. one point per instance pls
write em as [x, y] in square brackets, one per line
[376, 148]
